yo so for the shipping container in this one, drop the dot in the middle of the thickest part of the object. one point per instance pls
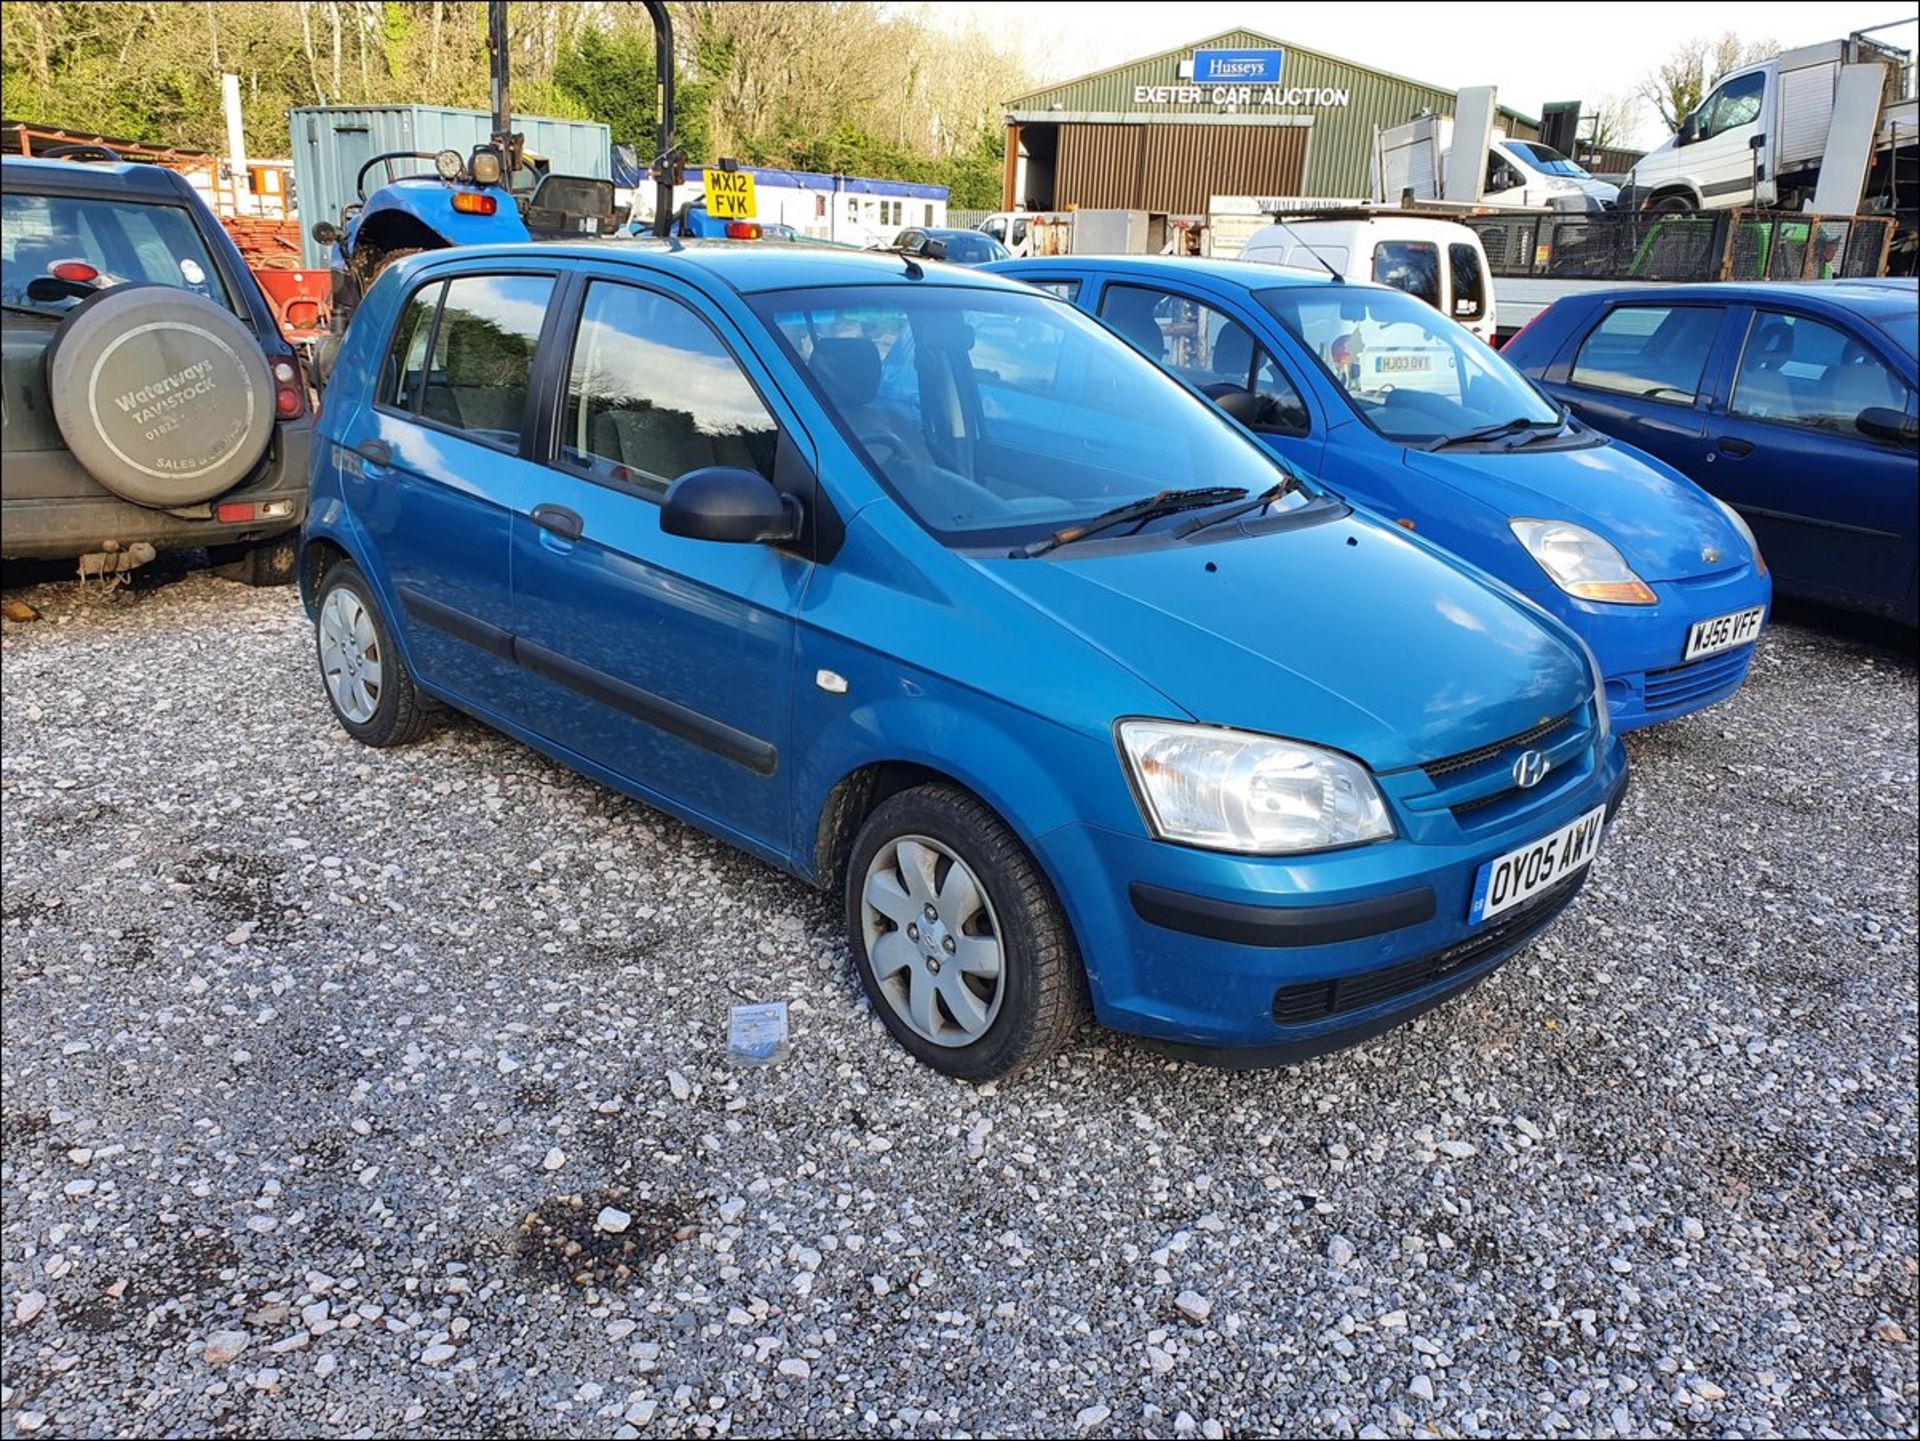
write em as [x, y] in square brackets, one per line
[332, 142]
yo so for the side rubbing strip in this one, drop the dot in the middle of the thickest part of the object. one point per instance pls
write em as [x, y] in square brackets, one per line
[657, 711]
[457, 623]
[644, 706]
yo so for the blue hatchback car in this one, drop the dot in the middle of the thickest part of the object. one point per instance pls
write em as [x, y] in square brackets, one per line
[1104, 713]
[1405, 412]
[1794, 403]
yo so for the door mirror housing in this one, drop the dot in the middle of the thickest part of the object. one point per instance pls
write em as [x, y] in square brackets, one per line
[727, 503]
[1883, 422]
[1690, 129]
[325, 232]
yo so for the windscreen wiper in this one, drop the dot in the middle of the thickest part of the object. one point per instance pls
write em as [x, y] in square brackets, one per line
[1247, 507]
[1151, 507]
[1494, 432]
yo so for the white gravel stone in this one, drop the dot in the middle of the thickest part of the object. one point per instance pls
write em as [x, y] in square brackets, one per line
[612, 1220]
[795, 1367]
[1092, 1416]
[223, 1346]
[438, 1354]
[1195, 1307]
[29, 1305]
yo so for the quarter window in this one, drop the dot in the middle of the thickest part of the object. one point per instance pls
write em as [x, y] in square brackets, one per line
[1656, 352]
[1409, 265]
[483, 353]
[1796, 371]
[653, 394]
[406, 368]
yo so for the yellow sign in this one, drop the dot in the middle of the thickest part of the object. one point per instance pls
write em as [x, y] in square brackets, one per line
[729, 194]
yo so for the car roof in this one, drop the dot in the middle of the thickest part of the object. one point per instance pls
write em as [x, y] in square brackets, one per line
[1877, 300]
[1247, 274]
[746, 265]
[92, 177]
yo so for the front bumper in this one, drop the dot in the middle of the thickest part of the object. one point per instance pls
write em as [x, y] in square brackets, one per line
[1253, 961]
[1639, 647]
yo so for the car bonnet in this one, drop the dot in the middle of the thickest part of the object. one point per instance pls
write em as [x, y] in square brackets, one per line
[1345, 633]
[1664, 524]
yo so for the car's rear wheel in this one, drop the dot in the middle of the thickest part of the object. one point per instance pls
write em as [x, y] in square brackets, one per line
[958, 938]
[367, 683]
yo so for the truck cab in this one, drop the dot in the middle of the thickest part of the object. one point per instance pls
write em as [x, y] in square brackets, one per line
[1441, 261]
[1767, 134]
[1532, 173]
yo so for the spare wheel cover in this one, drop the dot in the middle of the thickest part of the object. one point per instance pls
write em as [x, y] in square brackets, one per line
[162, 395]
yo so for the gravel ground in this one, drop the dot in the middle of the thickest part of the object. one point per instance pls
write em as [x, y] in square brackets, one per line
[325, 1069]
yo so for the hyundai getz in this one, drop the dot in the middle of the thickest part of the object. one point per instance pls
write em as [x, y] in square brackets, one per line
[760, 537]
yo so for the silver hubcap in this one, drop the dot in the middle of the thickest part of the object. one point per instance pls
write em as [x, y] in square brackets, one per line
[933, 941]
[350, 655]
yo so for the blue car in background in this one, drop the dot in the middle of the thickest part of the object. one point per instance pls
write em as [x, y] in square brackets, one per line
[1107, 711]
[1405, 412]
[1794, 403]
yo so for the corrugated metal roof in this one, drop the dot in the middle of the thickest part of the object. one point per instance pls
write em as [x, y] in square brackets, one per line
[1340, 143]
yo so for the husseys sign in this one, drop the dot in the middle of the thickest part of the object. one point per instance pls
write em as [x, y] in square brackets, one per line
[1236, 79]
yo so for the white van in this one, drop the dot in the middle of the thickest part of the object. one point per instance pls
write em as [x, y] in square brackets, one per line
[1441, 261]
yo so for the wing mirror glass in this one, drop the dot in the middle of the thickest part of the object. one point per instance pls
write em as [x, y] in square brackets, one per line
[727, 503]
[325, 232]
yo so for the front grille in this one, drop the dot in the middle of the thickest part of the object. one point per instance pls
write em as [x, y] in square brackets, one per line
[1316, 1000]
[1467, 760]
[1683, 685]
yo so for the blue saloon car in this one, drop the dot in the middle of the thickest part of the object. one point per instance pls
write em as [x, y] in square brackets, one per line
[1793, 403]
[1147, 727]
[1402, 411]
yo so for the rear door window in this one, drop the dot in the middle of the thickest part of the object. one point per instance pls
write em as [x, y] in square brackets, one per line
[1654, 352]
[652, 393]
[483, 355]
[1409, 265]
[1796, 371]
[127, 243]
[1469, 282]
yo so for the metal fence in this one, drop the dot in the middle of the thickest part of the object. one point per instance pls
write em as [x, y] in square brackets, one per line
[966, 219]
[1703, 245]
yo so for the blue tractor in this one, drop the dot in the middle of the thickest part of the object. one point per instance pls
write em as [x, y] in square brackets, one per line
[497, 193]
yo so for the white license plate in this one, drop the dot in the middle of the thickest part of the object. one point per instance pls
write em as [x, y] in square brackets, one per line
[1723, 632]
[1506, 881]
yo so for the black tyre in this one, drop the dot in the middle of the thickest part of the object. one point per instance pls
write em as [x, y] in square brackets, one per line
[958, 938]
[1672, 203]
[367, 683]
[271, 562]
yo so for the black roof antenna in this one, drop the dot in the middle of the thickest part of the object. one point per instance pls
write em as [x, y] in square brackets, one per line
[914, 272]
[1324, 263]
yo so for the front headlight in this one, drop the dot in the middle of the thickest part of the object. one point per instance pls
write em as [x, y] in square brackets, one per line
[1739, 523]
[1602, 717]
[1232, 790]
[1581, 563]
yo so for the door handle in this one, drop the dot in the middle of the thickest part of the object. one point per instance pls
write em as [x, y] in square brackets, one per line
[558, 520]
[1735, 446]
[375, 450]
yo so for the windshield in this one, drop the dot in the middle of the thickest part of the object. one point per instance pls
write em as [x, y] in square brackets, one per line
[124, 241]
[998, 417]
[1547, 160]
[1408, 371]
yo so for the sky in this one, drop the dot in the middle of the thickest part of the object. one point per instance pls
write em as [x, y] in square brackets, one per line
[1532, 54]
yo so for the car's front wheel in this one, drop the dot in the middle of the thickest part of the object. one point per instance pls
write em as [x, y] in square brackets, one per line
[367, 683]
[958, 937]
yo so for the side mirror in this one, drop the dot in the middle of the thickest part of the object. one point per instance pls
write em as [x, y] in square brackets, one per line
[325, 232]
[933, 249]
[726, 503]
[1883, 422]
[1690, 129]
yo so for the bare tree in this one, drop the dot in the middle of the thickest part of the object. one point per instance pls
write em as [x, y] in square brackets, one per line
[1615, 120]
[1681, 81]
